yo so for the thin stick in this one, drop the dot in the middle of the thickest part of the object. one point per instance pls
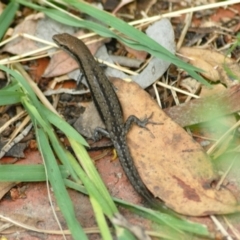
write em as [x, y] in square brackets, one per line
[177, 90]
[221, 228]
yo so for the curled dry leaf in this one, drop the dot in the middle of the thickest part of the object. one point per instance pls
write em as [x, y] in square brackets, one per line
[212, 62]
[172, 165]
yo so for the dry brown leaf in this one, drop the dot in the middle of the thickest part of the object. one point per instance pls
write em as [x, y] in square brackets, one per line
[211, 62]
[207, 108]
[61, 63]
[172, 165]
[5, 187]
[140, 55]
[22, 45]
[214, 90]
[216, 128]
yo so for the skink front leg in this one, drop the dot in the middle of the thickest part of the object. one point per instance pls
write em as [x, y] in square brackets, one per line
[141, 123]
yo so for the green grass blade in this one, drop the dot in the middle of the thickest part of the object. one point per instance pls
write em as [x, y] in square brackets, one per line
[63, 126]
[27, 90]
[63, 155]
[10, 97]
[30, 5]
[7, 16]
[170, 220]
[35, 116]
[12, 86]
[57, 183]
[26, 173]
[91, 187]
[101, 220]
[100, 192]
[177, 225]
[95, 187]
[89, 168]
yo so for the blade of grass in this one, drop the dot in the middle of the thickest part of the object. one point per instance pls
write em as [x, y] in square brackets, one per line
[12, 86]
[89, 168]
[108, 208]
[10, 97]
[35, 115]
[63, 155]
[60, 123]
[63, 200]
[26, 173]
[96, 188]
[7, 16]
[101, 220]
[175, 223]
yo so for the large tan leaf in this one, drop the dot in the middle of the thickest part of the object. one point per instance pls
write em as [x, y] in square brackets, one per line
[172, 165]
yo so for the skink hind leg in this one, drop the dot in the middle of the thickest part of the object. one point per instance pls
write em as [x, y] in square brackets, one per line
[99, 133]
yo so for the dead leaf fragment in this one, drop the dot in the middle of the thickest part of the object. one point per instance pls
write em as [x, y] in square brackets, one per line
[22, 45]
[172, 165]
[211, 62]
[5, 187]
[206, 108]
[88, 121]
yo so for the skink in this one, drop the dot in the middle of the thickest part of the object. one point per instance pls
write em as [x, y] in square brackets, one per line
[109, 109]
